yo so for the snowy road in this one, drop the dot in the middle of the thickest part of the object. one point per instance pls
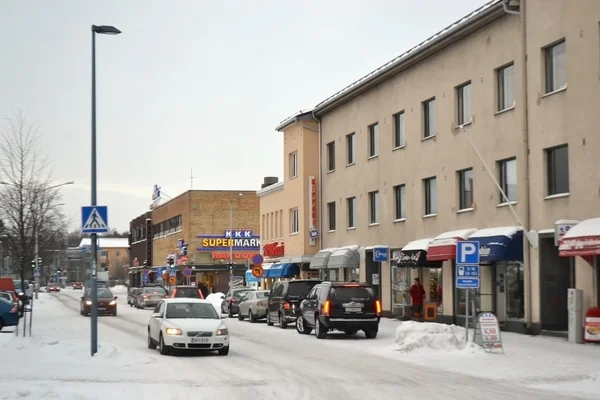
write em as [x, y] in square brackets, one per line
[264, 362]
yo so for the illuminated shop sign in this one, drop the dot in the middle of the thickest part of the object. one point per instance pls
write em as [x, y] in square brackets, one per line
[239, 240]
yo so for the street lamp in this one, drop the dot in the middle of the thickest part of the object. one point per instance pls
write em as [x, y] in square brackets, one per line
[231, 240]
[103, 30]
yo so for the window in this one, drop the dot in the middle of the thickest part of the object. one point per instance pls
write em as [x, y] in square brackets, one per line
[399, 129]
[374, 207]
[331, 156]
[430, 189]
[505, 77]
[508, 179]
[515, 284]
[351, 148]
[294, 164]
[118, 254]
[294, 221]
[557, 159]
[351, 207]
[400, 199]
[465, 189]
[556, 66]
[331, 215]
[373, 140]
[463, 93]
[429, 118]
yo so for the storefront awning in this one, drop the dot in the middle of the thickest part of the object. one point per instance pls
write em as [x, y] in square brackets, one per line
[499, 244]
[443, 247]
[320, 259]
[582, 240]
[344, 257]
[283, 271]
[414, 254]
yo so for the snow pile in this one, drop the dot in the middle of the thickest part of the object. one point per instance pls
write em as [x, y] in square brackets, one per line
[216, 300]
[119, 289]
[411, 335]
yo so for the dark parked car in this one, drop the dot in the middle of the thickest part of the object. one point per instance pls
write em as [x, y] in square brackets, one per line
[187, 291]
[343, 306]
[284, 300]
[231, 302]
[107, 303]
[9, 313]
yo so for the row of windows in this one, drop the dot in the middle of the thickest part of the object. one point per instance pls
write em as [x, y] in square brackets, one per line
[138, 233]
[168, 226]
[557, 178]
[555, 79]
[272, 225]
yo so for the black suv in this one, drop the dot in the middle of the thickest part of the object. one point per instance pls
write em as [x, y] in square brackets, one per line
[284, 300]
[343, 306]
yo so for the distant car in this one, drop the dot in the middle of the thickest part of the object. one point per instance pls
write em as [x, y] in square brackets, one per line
[253, 305]
[149, 296]
[9, 313]
[232, 300]
[186, 291]
[77, 285]
[107, 302]
[52, 287]
[187, 324]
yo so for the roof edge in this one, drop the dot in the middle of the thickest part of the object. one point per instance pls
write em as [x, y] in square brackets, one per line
[269, 189]
[301, 115]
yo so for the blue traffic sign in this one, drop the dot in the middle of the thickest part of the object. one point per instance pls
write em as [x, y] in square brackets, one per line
[172, 272]
[36, 273]
[380, 254]
[146, 279]
[467, 277]
[467, 253]
[94, 219]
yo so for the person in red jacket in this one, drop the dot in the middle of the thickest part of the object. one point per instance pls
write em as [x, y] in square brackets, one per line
[417, 295]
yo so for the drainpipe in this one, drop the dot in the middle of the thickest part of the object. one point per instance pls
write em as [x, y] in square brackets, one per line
[509, 11]
[320, 184]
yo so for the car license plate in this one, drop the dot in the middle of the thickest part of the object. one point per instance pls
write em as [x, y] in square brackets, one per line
[353, 309]
[101, 308]
[199, 340]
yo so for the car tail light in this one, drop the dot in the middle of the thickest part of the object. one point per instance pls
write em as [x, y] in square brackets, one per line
[351, 285]
[145, 296]
[233, 300]
[378, 307]
[325, 309]
[286, 306]
[14, 310]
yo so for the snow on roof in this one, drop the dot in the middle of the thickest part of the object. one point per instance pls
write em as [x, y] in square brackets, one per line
[107, 243]
[587, 228]
[508, 231]
[291, 118]
[459, 233]
[464, 21]
[420, 244]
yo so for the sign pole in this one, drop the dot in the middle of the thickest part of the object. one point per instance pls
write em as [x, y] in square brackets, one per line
[467, 316]
[467, 273]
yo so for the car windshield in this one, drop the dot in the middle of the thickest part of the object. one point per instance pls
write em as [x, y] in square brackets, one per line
[155, 290]
[295, 289]
[191, 310]
[239, 293]
[189, 292]
[102, 292]
[352, 293]
[262, 295]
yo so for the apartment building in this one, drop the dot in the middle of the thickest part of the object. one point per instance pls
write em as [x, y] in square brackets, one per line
[289, 209]
[113, 255]
[484, 131]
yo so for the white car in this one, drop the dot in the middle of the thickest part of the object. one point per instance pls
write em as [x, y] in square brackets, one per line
[187, 324]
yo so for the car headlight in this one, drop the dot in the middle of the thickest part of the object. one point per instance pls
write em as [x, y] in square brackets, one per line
[173, 331]
[222, 331]
[112, 303]
[21, 293]
[88, 303]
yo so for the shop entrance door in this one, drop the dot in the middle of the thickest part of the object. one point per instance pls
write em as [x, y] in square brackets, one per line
[555, 279]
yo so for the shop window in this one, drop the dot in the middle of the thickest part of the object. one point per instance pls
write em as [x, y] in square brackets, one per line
[330, 156]
[430, 195]
[374, 207]
[428, 118]
[436, 286]
[351, 208]
[464, 99]
[557, 163]
[399, 130]
[373, 140]
[401, 281]
[350, 148]
[556, 66]
[505, 78]
[331, 215]
[508, 179]
[514, 286]
[465, 189]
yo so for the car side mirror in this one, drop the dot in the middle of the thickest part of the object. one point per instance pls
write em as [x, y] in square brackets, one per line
[224, 316]
[116, 297]
[222, 297]
[82, 298]
[156, 315]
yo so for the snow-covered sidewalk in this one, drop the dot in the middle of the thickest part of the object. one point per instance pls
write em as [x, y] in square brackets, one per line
[535, 361]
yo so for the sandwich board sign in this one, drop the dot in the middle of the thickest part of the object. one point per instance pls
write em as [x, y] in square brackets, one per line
[487, 332]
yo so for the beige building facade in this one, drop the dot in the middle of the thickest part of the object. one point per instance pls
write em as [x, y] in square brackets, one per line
[485, 131]
[289, 210]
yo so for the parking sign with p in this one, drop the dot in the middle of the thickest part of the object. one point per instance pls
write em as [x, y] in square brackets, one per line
[467, 253]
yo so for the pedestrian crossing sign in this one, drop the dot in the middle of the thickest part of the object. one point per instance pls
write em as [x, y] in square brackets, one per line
[94, 219]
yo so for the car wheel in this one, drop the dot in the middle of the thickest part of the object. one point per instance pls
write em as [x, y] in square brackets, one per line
[230, 313]
[282, 321]
[251, 316]
[240, 316]
[370, 333]
[301, 326]
[269, 322]
[151, 342]
[1, 324]
[320, 331]
[162, 348]
[130, 304]
[224, 351]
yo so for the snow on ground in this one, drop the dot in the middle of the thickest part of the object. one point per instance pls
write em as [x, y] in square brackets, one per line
[119, 289]
[216, 300]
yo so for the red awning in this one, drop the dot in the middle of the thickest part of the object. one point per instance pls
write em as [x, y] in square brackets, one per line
[443, 246]
[582, 240]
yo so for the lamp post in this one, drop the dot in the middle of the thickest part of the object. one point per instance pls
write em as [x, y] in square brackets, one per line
[231, 241]
[103, 30]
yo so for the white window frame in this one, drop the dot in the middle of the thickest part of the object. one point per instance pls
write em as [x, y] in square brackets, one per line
[331, 214]
[374, 207]
[351, 148]
[464, 97]
[351, 212]
[294, 164]
[373, 140]
[331, 156]
[294, 221]
[399, 202]
[555, 66]
[399, 130]
[505, 86]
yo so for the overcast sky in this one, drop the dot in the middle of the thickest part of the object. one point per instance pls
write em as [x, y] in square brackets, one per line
[190, 84]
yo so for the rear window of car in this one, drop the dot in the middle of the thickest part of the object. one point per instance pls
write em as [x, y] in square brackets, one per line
[352, 293]
[187, 292]
[5, 296]
[262, 295]
[155, 290]
[239, 293]
[296, 289]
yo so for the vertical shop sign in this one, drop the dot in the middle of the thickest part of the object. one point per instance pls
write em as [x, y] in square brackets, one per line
[312, 212]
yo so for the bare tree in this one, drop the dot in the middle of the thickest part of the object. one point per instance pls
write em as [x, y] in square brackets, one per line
[29, 202]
